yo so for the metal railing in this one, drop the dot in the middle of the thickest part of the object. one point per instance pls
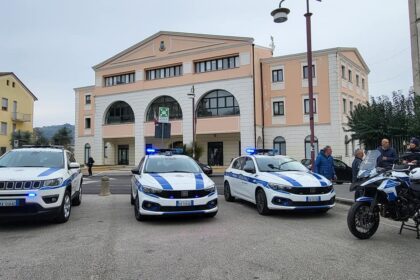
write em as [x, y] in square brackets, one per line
[21, 117]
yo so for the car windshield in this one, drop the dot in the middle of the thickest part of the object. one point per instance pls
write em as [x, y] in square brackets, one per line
[276, 164]
[171, 165]
[32, 159]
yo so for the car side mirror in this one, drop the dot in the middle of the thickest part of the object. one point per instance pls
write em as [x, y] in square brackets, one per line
[135, 171]
[74, 165]
[249, 170]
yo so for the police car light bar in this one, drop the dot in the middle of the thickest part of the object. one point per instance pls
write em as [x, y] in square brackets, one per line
[252, 151]
[151, 151]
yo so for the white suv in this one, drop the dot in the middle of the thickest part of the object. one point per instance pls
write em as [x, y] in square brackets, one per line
[39, 181]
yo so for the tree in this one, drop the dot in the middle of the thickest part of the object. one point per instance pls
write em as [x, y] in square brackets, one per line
[383, 117]
[62, 137]
[23, 138]
[198, 151]
[39, 138]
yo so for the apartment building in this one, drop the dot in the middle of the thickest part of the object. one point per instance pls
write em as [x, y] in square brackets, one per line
[340, 79]
[238, 87]
[17, 108]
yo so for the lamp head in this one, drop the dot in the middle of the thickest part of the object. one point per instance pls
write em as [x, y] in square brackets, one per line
[280, 14]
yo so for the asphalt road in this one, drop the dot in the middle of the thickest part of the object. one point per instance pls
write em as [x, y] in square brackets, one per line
[120, 184]
[102, 240]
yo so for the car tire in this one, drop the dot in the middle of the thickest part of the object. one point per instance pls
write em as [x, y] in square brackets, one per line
[78, 199]
[339, 183]
[132, 200]
[227, 193]
[210, 215]
[139, 217]
[261, 201]
[65, 209]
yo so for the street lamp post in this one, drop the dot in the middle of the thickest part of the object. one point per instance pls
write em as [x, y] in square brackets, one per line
[280, 15]
[192, 96]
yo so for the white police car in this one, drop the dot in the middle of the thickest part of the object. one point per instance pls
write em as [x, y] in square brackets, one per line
[39, 181]
[168, 184]
[276, 182]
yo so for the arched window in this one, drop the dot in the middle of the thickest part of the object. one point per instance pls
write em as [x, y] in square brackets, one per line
[119, 112]
[175, 112]
[308, 146]
[279, 144]
[217, 103]
[87, 152]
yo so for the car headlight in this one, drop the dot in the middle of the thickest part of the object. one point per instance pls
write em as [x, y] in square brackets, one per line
[279, 187]
[147, 189]
[211, 188]
[53, 182]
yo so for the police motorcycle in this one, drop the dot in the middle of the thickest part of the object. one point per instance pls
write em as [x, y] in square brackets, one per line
[392, 194]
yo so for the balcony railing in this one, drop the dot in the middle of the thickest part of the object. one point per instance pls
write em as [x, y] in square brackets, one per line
[21, 117]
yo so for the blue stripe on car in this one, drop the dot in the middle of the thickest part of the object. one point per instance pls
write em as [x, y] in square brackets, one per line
[288, 179]
[323, 183]
[199, 182]
[49, 171]
[162, 181]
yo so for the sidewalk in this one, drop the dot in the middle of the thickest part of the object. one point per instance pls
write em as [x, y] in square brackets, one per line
[107, 168]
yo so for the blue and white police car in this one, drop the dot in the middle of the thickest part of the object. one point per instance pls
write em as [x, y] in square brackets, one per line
[165, 183]
[275, 182]
[39, 181]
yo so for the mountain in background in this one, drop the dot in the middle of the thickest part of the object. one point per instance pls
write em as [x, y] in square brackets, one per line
[49, 131]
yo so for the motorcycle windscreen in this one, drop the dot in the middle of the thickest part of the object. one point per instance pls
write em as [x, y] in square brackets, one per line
[368, 164]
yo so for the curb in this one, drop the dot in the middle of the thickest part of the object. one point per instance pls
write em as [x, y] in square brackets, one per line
[344, 201]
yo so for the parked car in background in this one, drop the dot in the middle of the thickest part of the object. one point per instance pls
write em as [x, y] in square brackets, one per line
[342, 170]
[205, 167]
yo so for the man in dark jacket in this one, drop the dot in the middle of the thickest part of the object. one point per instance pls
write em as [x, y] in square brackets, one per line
[412, 155]
[358, 158]
[90, 165]
[388, 155]
[324, 164]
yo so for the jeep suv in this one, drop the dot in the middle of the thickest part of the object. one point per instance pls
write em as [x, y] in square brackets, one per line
[39, 180]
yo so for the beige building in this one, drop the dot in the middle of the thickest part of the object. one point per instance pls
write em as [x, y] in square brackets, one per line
[17, 108]
[340, 83]
[232, 79]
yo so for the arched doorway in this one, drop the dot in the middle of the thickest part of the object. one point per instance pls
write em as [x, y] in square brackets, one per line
[279, 145]
[87, 152]
[219, 110]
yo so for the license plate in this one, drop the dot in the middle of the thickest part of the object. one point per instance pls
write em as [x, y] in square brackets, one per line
[8, 203]
[313, 198]
[184, 203]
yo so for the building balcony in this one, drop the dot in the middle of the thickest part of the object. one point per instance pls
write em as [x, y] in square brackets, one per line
[118, 131]
[176, 128]
[21, 117]
[217, 125]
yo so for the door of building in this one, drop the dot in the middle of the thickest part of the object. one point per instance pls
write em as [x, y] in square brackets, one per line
[122, 154]
[215, 153]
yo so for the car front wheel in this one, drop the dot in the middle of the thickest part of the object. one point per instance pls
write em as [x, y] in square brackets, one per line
[65, 209]
[137, 214]
[261, 200]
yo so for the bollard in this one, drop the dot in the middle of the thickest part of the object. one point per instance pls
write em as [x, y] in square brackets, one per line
[104, 186]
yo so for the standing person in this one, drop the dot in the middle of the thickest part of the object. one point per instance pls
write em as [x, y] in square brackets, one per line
[324, 164]
[388, 155]
[358, 158]
[90, 165]
[412, 155]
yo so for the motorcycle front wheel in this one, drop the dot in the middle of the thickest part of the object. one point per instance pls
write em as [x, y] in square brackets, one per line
[361, 221]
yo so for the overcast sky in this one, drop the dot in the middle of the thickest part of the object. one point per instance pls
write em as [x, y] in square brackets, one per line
[52, 45]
